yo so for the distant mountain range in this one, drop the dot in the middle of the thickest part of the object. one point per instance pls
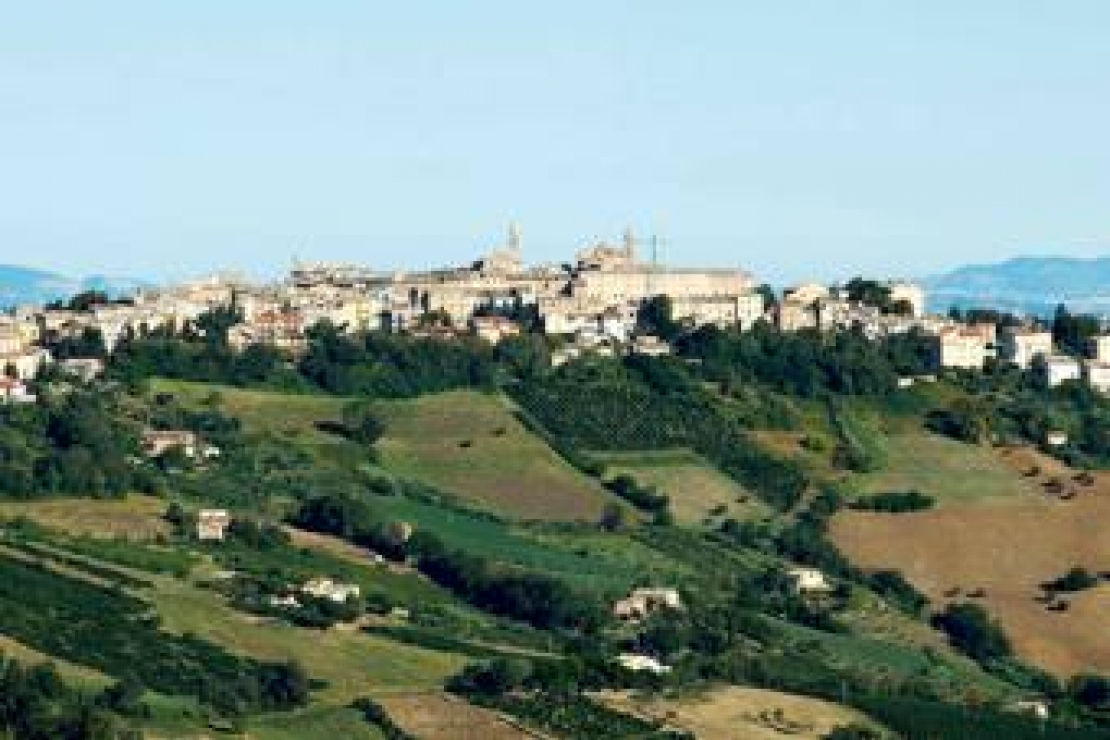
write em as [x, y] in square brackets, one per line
[1031, 285]
[20, 285]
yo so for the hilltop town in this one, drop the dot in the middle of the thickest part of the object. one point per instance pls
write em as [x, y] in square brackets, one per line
[590, 305]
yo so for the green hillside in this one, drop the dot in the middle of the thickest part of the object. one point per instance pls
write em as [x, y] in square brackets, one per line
[489, 527]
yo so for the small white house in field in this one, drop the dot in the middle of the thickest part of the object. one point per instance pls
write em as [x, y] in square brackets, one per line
[809, 580]
[1056, 439]
[212, 524]
[289, 601]
[634, 662]
[1035, 707]
[644, 601]
[326, 588]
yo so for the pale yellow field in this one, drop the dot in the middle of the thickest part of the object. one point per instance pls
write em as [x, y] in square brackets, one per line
[135, 517]
[733, 712]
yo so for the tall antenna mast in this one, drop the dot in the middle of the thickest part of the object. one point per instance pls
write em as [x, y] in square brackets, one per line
[653, 267]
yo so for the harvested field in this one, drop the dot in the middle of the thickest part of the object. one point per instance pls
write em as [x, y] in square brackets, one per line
[135, 517]
[733, 712]
[443, 717]
[1007, 551]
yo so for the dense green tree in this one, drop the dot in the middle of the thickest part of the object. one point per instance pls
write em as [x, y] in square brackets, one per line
[972, 631]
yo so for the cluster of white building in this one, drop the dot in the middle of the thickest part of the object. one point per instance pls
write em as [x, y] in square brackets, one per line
[1027, 347]
[593, 302]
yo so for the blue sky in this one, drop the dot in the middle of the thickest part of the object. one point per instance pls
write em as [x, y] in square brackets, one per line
[163, 138]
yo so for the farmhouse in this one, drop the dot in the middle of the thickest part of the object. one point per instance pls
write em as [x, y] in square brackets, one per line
[1056, 438]
[638, 663]
[1035, 707]
[326, 588]
[158, 442]
[288, 601]
[212, 525]
[809, 580]
[644, 601]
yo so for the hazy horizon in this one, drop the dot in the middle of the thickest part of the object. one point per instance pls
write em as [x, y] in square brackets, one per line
[822, 139]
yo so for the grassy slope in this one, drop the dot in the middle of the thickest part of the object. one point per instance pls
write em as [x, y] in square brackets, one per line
[357, 665]
[591, 559]
[316, 723]
[504, 469]
[351, 664]
[694, 487]
[950, 471]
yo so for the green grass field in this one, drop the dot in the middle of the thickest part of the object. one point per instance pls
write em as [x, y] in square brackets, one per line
[945, 469]
[316, 723]
[695, 488]
[472, 445]
[352, 664]
[597, 560]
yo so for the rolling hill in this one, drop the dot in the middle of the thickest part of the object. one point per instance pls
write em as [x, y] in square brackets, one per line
[1033, 285]
[21, 285]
